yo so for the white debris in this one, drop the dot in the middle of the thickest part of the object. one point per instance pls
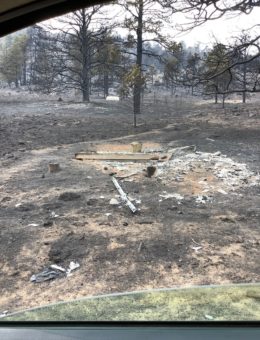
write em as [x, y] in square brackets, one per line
[196, 249]
[54, 266]
[113, 98]
[114, 201]
[202, 199]
[18, 205]
[231, 175]
[33, 225]
[3, 314]
[222, 191]
[108, 214]
[72, 266]
[53, 214]
[173, 195]
[209, 317]
[218, 153]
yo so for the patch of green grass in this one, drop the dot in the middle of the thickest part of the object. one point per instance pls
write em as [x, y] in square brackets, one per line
[238, 302]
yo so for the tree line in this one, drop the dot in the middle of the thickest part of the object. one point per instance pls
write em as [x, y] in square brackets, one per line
[84, 51]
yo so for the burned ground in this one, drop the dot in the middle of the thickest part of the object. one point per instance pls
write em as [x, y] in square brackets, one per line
[54, 218]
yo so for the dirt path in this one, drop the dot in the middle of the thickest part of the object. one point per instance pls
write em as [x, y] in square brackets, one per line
[169, 242]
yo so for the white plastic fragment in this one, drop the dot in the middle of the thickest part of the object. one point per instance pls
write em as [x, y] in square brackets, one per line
[196, 249]
[33, 225]
[72, 266]
[114, 201]
[209, 317]
[3, 314]
[174, 195]
[54, 266]
[54, 215]
[221, 191]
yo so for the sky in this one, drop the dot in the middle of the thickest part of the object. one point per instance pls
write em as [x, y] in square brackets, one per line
[222, 29]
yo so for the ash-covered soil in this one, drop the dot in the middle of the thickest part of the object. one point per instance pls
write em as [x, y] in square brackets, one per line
[197, 224]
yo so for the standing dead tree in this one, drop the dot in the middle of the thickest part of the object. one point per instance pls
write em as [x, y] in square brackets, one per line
[79, 37]
[145, 21]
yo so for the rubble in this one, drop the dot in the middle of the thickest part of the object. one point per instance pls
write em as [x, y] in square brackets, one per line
[229, 175]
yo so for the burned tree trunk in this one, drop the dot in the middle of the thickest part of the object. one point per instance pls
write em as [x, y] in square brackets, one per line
[85, 61]
[139, 55]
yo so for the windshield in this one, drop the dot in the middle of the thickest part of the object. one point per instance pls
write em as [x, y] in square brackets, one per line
[129, 161]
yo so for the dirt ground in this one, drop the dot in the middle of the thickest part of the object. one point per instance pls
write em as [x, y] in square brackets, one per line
[193, 227]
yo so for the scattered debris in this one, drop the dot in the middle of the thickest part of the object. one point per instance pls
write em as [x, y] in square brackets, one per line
[45, 275]
[25, 206]
[196, 249]
[226, 175]
[221, 191]
[3, 314]
[209, 317]
[53, 167]
[108, 214]
[218, 153]
[195, 242]
[174, 195]
[54, 272]
[114, 201]
[53, 214]
[33, 225]
[61, 269]
[124, 197]
[140, 247]
[72, 266]
[202, 199]
[210, 139]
